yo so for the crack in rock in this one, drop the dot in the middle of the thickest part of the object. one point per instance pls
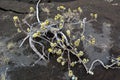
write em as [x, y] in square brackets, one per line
[17, 12]
[15, 6]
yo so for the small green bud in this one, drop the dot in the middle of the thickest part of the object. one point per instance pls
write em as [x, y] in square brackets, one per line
[77, 42]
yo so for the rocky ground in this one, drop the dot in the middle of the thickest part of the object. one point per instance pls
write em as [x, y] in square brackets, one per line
[15, 63]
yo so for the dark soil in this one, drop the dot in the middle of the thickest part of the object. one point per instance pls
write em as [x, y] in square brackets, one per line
[108, 12]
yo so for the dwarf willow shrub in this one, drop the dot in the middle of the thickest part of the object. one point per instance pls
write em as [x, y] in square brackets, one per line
[58, 35]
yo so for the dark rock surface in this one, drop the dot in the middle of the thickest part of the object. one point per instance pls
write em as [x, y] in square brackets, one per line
[108, 12]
